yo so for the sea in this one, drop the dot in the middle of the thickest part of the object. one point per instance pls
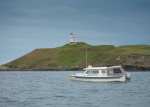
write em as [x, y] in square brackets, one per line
[53, 89]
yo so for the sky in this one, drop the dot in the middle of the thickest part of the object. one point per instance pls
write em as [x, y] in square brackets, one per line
[26, 25]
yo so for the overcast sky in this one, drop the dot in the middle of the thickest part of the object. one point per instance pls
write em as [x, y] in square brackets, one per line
[26, 25]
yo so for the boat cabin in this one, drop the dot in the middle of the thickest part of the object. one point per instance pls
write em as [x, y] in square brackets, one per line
[103, 71]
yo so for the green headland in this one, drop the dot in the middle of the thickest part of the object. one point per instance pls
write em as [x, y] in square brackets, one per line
[73, 56]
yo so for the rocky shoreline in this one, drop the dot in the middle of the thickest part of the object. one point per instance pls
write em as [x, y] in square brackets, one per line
[136, 68]
[130, 68]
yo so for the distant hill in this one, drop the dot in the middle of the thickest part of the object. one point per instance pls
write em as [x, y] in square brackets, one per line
[74, 56]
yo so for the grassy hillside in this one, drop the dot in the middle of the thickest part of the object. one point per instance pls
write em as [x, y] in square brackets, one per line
[75, 56]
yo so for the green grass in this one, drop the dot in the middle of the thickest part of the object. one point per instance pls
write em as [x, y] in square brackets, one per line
[75, 55]
[136, 49]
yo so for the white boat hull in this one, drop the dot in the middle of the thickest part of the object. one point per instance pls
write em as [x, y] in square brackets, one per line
[97, 79]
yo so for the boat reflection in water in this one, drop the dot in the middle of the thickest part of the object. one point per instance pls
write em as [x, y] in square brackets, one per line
[101, 74]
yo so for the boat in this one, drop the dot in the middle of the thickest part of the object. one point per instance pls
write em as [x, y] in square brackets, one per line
[101, 74]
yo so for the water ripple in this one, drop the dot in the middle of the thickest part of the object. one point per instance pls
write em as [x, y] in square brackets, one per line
[53, 89]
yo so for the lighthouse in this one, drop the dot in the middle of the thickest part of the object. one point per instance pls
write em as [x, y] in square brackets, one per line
[72, 39]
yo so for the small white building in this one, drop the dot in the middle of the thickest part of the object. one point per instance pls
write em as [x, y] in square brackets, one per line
[72, 39]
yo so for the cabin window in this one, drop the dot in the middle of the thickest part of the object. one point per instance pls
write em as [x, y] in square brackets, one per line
[95, 72]
[89, 72]
[110, 71]
[117, 70]
[103, 71]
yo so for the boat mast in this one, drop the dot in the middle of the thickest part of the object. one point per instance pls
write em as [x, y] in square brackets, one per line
[86, 57]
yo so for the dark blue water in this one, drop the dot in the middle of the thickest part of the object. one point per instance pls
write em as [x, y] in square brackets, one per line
[53, 89]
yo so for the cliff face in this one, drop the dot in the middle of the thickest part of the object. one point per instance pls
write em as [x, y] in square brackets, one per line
[74, 57]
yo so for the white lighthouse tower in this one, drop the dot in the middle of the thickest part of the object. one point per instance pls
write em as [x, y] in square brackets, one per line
[72, 39]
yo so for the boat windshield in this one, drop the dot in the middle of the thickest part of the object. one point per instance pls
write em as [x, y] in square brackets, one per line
[89, 72]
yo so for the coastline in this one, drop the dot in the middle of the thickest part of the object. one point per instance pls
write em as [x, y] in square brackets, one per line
[130, 68]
